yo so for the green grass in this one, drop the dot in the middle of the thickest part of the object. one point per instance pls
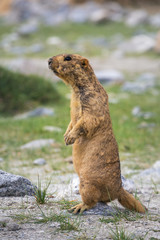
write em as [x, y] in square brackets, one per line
[19, 92]
[41, 193]
[120, 234]
[65, 222]
[122, 215]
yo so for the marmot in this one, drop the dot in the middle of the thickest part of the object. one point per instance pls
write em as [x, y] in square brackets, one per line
[95, 150]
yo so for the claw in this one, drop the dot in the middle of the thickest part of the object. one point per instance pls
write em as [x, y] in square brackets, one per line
[79, 208]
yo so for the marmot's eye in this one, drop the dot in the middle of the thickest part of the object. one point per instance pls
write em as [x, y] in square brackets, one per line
[68, 58]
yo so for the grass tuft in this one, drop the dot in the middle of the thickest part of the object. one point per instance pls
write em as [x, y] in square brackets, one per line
[19, 92]
[120, 234]
[41, 194]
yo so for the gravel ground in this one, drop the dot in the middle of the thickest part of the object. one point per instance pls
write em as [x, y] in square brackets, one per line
[136, 226]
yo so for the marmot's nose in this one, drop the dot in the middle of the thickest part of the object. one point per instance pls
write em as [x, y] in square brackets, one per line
[49, 61]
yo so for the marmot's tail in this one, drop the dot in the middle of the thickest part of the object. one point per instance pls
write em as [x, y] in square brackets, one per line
[128, 201]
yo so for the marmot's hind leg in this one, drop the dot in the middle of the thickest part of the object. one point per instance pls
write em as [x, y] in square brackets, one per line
[90, 196]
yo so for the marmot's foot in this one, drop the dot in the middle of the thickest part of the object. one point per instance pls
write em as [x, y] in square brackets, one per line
[80, 208]
[69, 139]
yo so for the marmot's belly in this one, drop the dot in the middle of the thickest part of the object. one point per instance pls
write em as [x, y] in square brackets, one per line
[94, 160]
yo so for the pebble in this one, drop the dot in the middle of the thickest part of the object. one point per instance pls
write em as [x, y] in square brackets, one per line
[146, 125]
[39, 161]
[52, 129]
[154, 20]
[54, 40]
[38, 144]
[1, 159]
[28, 28]
[4, 221]
[136, 17]
[136, 112]
[37, 112]
[111, 76]
[138, 44]
[150, 174]
[143, 83]
[13, 227]
[99, 16]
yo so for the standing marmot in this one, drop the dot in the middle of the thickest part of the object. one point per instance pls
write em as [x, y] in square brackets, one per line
[95, 150]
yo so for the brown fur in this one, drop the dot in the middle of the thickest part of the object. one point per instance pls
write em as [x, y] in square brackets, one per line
[95, 150]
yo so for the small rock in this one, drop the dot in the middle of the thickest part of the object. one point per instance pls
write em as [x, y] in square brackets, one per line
[52, 129]
[1, 159]
[99, 16]
[128, 184]
[156, 164]
[101, 209]
[138, 44]
[151, 174]
[69, 159]
[54, 40]
[110, 76]
[4, 221]
[143, 83]
[55, 225]
[40, 111]
[38, 144]
[28, 28]
[136, 17]
[136, 112]
[79, 14]
[14, 185]
[75, 185]
[35, 48]
[134, 87]
[8, 39]
[147, 78]
[155, 20]
[13, 227]
[19, 50]
[146, 125]
[39, 161]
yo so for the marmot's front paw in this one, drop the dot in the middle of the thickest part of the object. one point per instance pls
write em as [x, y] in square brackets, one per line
[69, 139]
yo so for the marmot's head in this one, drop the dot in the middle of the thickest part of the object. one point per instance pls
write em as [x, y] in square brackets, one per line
[72, 68]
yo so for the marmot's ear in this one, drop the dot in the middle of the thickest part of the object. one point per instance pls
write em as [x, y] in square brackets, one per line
[84, 63]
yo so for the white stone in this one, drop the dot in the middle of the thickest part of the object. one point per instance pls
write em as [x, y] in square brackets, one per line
[109, 76]
[52, 129]
[39, 111]
[39, 161]
[99, 15]
[1, 159]
[136, 17]
[155, 20]
[136, 111]
[54, 40]
[138, 44]
[38, 144]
